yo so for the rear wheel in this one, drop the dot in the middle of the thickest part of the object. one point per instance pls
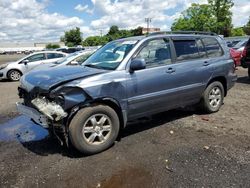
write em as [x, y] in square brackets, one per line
[94, 129]
[14, 75]
[249, 72]
[212, 98]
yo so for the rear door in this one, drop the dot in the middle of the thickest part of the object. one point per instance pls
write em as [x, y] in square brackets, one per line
[192, 69]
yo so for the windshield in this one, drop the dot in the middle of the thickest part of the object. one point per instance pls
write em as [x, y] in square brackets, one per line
[111, 55]
[67, 58]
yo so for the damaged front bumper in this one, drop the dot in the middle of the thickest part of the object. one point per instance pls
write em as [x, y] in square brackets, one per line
[44, 111]
[32, 113]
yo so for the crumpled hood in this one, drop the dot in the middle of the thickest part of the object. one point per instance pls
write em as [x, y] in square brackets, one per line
[45, 79]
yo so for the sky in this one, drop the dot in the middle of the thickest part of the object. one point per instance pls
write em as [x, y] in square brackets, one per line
[46, 20]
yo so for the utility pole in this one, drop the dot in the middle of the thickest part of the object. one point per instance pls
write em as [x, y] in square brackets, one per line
[101, 32]
[148, 21]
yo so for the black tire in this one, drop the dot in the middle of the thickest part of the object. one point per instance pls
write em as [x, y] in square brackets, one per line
[82, 120]
[14, 75]
[249, 72]
[206, 103]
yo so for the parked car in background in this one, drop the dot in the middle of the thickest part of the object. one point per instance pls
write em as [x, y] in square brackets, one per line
[245, 60]
[236, 55]
[14, 70]
[128, 79]
[232, 43]
[76, 58]
[70, 49]
[240, 45]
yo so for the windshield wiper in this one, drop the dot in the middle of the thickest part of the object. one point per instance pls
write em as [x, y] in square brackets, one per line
[98, 67]
[92, 66]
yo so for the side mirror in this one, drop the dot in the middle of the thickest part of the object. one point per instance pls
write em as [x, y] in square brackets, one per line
[137, 64]
[25, 62]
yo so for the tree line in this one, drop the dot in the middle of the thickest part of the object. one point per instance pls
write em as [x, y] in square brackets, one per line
[215, 16]
[73, 36]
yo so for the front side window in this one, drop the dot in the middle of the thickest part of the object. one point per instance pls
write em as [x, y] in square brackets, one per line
[36, 57]
[212, 47]
[111, 55]
[186, 50]
[156, 53]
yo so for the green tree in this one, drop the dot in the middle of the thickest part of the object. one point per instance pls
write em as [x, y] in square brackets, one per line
[113, 34]
[72, 37]
[246, 28]
[95, 41]
[196, 18]
[221, 11]
[113, 30]
[52, 46]
[137, 31]
[214, 16]
[237, 32]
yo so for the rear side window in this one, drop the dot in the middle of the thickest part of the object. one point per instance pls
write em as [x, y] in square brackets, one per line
[54, 55]
[212, 47]
[201, 48]
[186, 49]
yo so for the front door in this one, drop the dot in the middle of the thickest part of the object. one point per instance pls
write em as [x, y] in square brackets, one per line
[33, 61]
[148, 89]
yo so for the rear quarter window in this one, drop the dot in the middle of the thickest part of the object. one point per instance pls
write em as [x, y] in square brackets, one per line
[212, 47]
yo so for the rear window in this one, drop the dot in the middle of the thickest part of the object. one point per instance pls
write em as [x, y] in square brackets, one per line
[212, 47]
[186, 49]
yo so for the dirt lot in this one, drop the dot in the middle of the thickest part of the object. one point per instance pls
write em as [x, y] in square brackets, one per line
[179, 148]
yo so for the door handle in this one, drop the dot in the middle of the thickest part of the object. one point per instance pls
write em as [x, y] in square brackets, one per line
[206, 63]
[170, 70]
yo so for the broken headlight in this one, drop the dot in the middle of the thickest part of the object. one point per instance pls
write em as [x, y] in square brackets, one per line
[51, 109]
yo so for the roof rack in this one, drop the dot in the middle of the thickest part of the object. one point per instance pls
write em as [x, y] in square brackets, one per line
[183, 32]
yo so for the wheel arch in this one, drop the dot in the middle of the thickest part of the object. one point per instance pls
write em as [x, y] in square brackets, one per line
[114, 104]
[14, 69]
[220, 79]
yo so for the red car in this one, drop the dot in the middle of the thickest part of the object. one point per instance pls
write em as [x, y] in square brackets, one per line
[236, 55]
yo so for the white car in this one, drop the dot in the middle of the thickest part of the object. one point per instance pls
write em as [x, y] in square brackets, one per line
[76, 58]
[14, 70]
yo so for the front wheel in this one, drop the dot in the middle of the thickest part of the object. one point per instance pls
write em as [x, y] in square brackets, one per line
[213, 97]
[94, 129]
[14, 75]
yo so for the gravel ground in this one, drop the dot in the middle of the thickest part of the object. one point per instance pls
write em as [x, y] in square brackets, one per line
[179, 148]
